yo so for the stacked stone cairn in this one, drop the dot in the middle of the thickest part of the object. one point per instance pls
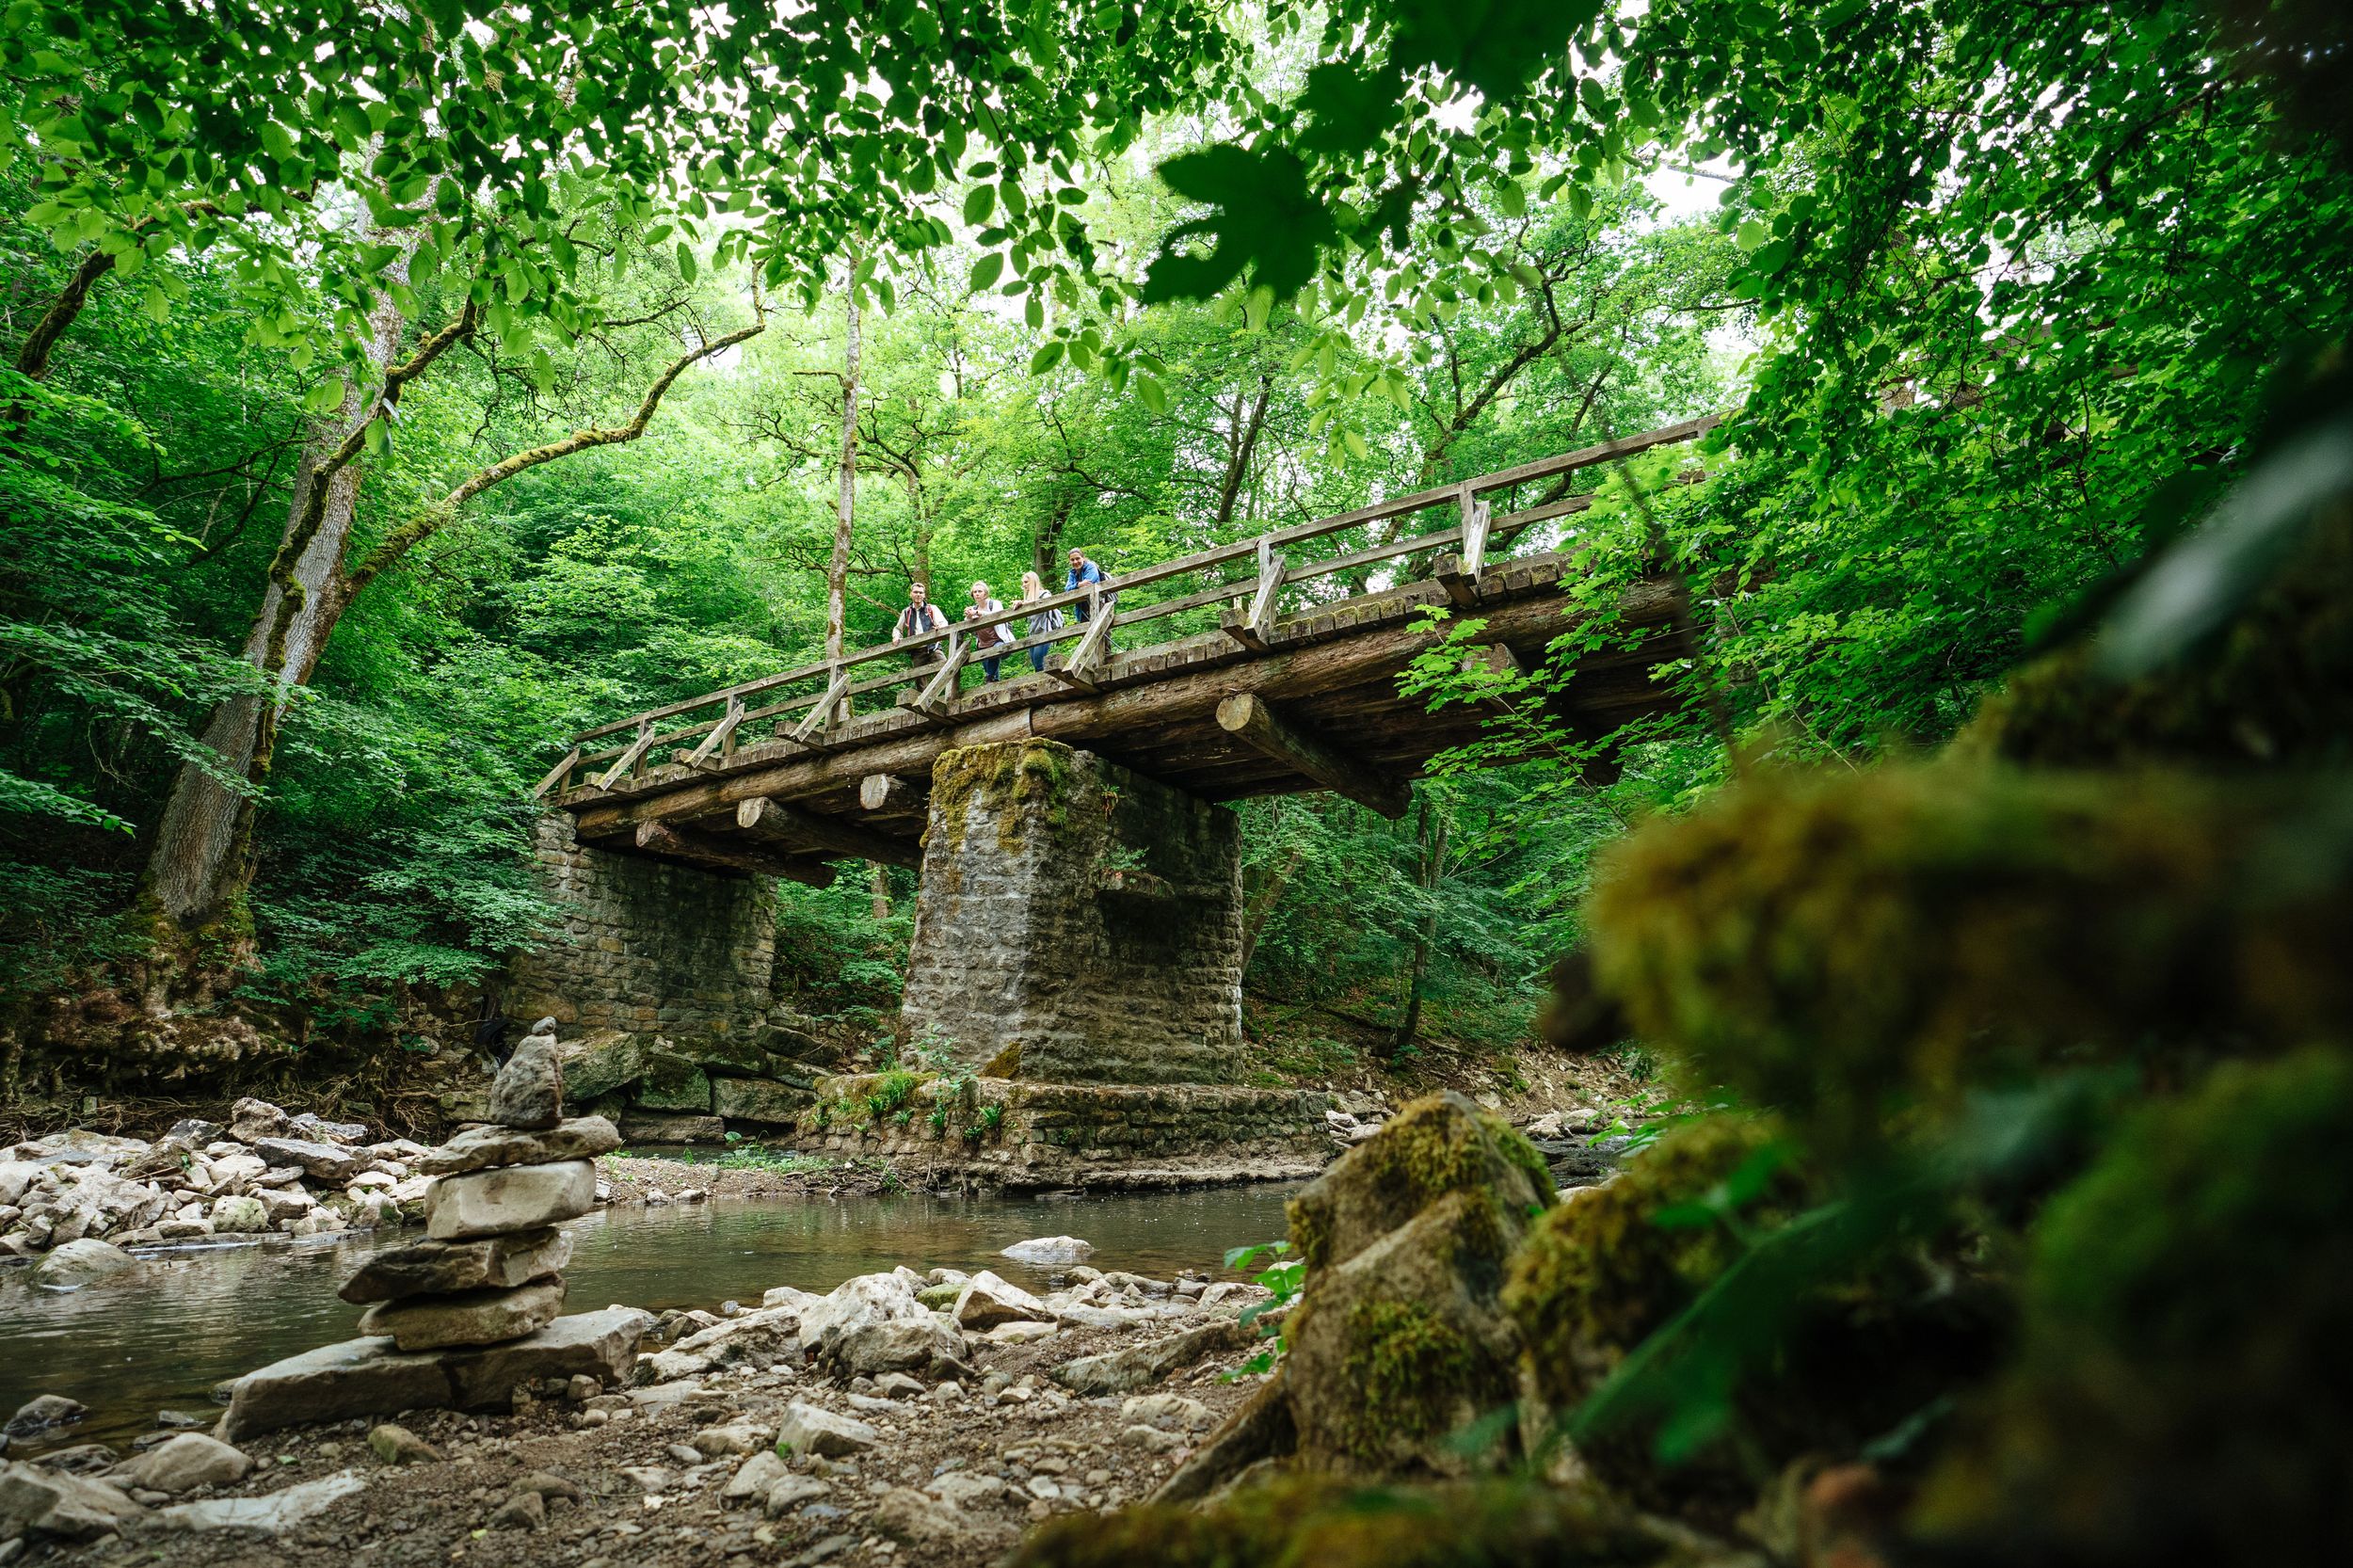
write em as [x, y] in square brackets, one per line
[490, 1267]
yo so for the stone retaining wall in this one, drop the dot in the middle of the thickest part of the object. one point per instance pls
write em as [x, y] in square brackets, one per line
[1019, 1134]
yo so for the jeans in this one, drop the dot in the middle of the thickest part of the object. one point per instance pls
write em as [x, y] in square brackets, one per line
[989, 667]
[1037, 658]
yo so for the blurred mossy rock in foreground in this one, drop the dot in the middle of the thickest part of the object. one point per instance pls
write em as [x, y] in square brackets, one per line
[1400, 1343]
[2182, 1390]
[1323, 1520]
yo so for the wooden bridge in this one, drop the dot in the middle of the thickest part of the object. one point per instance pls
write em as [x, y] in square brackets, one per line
[1288, 684]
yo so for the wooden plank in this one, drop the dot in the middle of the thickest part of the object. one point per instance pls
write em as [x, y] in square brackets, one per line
[721, 733]
[1252, 629]
[1086, 660]
[767, 819]
[940, 690]
[628, 759]
[1252, 719]
[557, 774]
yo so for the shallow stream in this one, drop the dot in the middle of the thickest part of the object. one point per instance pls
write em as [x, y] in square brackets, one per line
[163, 1338]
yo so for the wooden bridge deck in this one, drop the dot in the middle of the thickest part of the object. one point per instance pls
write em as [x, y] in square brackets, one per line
[1262, 703]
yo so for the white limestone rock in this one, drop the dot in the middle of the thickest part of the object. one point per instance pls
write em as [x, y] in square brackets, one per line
[509, 1198]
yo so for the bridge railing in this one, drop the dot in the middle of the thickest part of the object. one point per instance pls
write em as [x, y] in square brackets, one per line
[807, 705]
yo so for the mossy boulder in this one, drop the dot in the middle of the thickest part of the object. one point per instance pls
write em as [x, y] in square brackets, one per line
[1310, 1521]
[1613, 1266]
[605, 1061]
[1401, 1342]
[1437, 1145]
[672, 1083]
[1853, 950]
[2184, 1386]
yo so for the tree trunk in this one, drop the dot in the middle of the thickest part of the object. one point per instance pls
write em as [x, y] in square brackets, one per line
[1261, 906]
[1432, 831]
[878, 880]
[845, 507]
[199, 864]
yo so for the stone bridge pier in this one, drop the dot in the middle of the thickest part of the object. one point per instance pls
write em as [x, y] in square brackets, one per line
[1079, 923]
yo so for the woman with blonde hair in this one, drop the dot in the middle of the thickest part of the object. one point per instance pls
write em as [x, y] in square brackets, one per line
[1040, 621]
[983, 603]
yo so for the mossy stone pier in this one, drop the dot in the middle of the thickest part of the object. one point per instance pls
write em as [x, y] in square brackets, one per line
[1077, 920]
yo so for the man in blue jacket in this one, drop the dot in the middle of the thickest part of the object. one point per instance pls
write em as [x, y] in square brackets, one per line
[1082, 570]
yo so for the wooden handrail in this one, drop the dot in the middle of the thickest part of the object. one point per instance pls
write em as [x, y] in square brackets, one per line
[1461, 494]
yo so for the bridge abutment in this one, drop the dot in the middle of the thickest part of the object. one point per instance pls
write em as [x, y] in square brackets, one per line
[644, 946]
[1079, 923]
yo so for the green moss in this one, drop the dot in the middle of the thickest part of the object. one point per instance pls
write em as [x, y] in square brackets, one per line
[1405, 1362]
[1006, 776]
[2183, 1389]
[1845, 949]
[1597, 1277]
[1438, 1144]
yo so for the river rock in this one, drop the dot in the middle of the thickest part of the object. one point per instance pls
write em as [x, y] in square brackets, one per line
[755, 1477]
[326, 1161]
[48, 1410]
[524, 1511]
[605, 1061]
[71, 1508]
[250, 1118]
[194, 1131]
[987, 1300]
[78, 1263]
[238, 1215]
[468, 1317]
[1048, 1251]
[1125, 1371]
[1168, 1411]
[396, 1445]
[310, 1125]
[929, 1524]
[482, 1147]
[792, 1492]
[874, 1324]
[509, 1198]
[370, 1377]
[528, 1093]
[186, 1463]
[272, 1514]
[444, 1268]
[808, 1429]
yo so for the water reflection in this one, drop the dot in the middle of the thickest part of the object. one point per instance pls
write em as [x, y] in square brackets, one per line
[197, 1317]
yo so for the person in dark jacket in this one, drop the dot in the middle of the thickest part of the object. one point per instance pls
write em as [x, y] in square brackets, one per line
[918, 619]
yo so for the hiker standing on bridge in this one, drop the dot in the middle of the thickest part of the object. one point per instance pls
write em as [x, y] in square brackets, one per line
[1082, 571]
[916, 620]
[1040, 621]
[984, 603]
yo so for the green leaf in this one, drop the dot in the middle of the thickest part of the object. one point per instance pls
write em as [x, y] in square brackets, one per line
[986, 270]
[1046, 358]
[686, 266]
[978, 203]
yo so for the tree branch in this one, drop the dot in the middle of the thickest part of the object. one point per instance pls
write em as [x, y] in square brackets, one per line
[401, 540]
